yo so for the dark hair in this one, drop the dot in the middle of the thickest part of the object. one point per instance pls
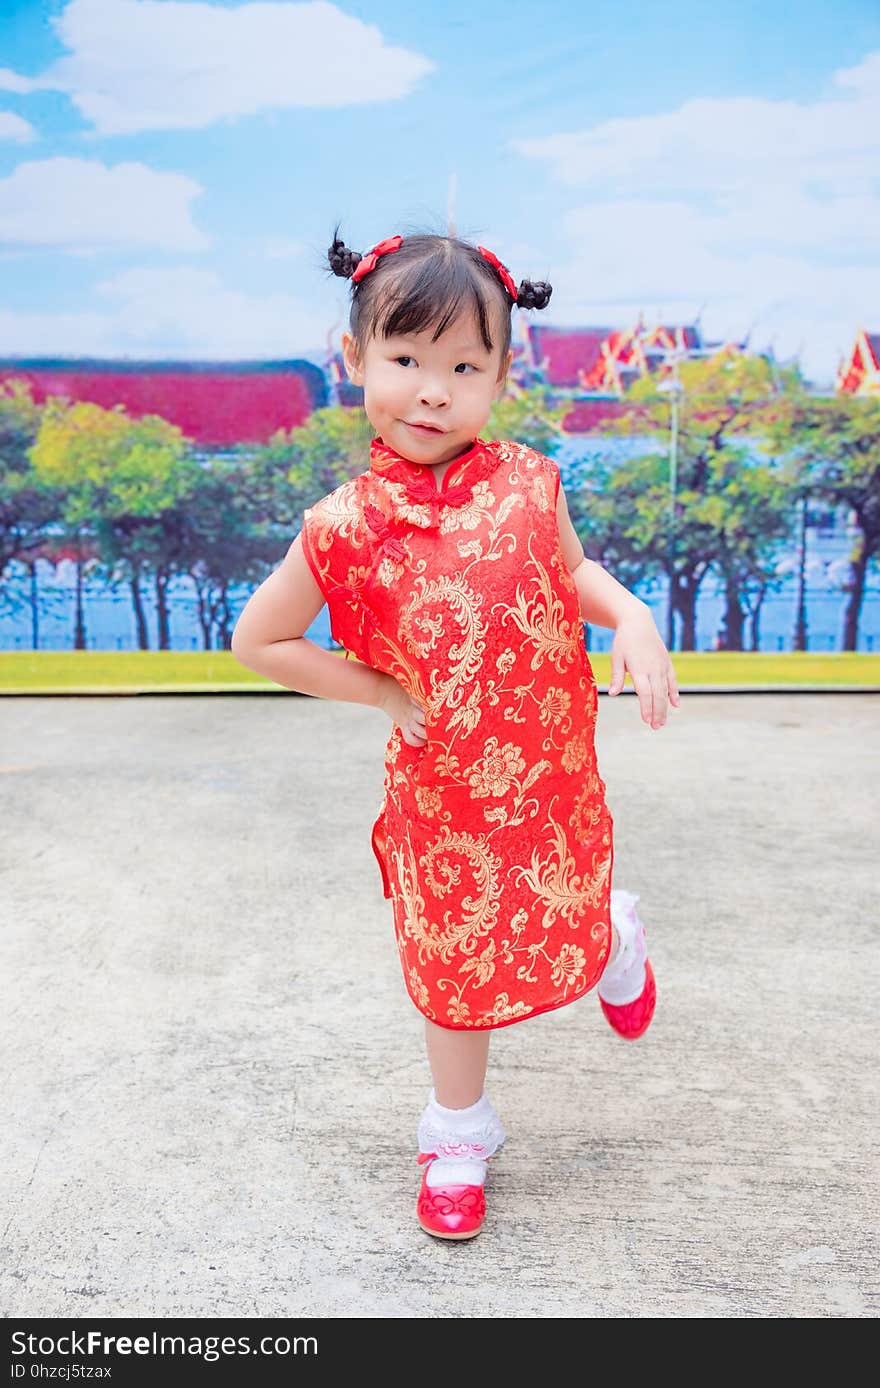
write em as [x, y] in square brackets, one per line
[428, 281]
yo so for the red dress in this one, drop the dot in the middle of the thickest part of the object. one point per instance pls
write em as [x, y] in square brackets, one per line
[494, 839]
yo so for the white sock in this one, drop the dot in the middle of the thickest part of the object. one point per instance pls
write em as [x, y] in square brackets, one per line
[463, 1139]
[624, 979]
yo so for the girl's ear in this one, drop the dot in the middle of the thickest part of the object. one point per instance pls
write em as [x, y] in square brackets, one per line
[502, 376]
[351, 359]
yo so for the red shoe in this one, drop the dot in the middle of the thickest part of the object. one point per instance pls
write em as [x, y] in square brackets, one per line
[632, 1019]
[449, 1212]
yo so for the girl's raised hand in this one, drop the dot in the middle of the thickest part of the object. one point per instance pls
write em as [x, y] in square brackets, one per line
[402, 710]
[639, 648]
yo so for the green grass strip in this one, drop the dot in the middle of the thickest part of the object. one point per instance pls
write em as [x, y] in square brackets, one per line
[203, 672]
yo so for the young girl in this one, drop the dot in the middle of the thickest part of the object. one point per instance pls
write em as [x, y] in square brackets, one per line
[453, 573]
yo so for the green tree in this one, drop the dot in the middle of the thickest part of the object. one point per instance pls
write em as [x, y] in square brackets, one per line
[233, 530]
[113, 477]
[831, 447]
[528, 417]
[729, 509]
[298, 466]
[301, 465]
[26, 507]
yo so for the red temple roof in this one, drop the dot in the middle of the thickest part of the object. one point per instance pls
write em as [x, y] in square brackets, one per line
[603, 359]
[585, 415]
[859, 373]
[216, 404]
[560, 354]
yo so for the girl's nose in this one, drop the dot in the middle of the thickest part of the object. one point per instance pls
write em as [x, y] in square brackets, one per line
[433, 394]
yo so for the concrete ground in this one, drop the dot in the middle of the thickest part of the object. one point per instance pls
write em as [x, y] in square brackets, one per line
[214, 1073]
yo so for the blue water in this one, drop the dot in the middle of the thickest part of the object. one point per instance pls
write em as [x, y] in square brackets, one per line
[110, 624]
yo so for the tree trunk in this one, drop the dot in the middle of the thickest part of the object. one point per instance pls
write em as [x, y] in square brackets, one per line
[140, 616]
[672, 578]
[204, 618]
[859, 563]
[224, 631]
[162, 615]
[755, 622]
[801, 638]
[79, 639]
[35, 608]
[686, 606]
[734, 617]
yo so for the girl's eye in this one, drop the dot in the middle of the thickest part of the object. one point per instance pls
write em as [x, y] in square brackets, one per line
[465, 364]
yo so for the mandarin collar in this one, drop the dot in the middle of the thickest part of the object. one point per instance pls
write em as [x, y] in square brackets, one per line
[420, 481]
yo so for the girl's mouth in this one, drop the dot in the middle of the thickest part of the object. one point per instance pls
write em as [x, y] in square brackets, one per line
[429, 432]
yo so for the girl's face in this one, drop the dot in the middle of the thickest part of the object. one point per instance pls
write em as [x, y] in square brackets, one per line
[450, 384]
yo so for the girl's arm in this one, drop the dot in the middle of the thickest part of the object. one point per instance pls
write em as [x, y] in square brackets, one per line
[604, 601]
[268, 638]
[638, 646]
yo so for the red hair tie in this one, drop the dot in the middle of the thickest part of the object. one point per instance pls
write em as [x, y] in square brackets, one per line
[506, 277]
[369, 261]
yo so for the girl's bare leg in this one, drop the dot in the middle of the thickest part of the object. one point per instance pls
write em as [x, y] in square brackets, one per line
[458, 1059]
[458, 1062]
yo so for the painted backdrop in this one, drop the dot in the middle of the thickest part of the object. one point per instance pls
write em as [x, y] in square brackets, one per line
[698, 183]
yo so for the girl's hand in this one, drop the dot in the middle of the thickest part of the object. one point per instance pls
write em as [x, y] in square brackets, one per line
[639, 648]
[409, 716]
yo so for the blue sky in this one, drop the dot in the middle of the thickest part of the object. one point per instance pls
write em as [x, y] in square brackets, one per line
[171, 172]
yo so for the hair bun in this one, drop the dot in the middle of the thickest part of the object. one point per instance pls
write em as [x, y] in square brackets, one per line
[342, 261]
[534, 294]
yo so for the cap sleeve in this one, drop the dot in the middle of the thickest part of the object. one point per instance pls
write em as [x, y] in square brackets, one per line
[546, 475]
[332, 542]
[314, 526]
[555, 477]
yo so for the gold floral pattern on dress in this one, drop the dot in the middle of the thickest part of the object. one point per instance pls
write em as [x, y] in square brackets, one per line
[482, 967]
[576, 751]
[472, 514]
[339, 516]
[542, 618]
[390, 570]
[429, 801]
[555, 881]
[494, 838]
[569, 964]
[418, 988]
[588, 811]
[554, 706]
[496, 771]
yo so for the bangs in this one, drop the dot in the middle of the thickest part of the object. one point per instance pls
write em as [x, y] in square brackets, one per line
[433, 296]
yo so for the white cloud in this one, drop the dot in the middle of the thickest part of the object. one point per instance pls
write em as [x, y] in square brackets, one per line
[730, 146]
[144, 65]
[84, 206]
[12, 127]
[660, 258]
[54, 334]
[172, 312]
[524, 259]
[767, 212]
[12, 82]
[282, 248]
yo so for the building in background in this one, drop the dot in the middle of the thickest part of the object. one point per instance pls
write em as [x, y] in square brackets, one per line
[859, 373]
[217, 404]
[594, 366]
[222, 404]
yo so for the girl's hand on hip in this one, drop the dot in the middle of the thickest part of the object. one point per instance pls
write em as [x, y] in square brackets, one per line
[639, 648]
[402, 710]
